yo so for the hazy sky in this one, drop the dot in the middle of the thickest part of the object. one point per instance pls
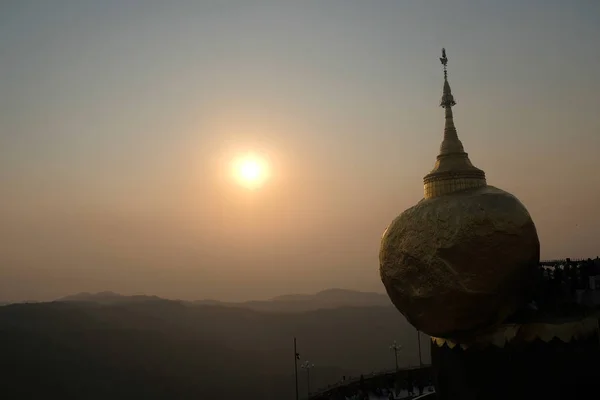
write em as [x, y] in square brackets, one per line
[119, 118]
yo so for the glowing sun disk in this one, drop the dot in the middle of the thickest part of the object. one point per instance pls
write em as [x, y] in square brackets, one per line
[251, 170]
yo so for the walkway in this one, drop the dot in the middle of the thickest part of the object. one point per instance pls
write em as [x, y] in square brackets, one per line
[368, 382]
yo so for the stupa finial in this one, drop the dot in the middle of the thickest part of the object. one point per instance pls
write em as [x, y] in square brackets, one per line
[447, 98]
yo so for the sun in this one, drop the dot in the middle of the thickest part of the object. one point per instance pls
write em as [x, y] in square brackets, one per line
[251, 170]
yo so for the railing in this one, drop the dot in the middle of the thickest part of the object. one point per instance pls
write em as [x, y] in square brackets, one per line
[356, 379]
[566, 261]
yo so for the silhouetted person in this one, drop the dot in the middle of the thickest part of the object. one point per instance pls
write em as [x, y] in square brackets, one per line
[586, 272]
[594, 266]
[410, 385]
[558, 275]
[570, 271]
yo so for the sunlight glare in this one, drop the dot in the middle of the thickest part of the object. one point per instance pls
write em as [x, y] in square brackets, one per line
[251, 170]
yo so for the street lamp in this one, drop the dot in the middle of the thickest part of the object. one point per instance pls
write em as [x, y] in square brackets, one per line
[307, 365]
[296, 358]
[395, 347]
[419, 344]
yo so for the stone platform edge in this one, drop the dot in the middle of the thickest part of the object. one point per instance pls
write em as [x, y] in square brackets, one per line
[565, 331]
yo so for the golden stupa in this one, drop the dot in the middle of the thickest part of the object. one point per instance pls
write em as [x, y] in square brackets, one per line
[464, 258]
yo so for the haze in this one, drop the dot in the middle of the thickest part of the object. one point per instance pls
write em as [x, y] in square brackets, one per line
[118, 121]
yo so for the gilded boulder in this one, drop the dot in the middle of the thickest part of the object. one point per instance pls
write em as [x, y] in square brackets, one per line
[460, 263]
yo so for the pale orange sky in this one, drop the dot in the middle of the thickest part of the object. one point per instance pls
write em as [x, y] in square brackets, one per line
[118, 121]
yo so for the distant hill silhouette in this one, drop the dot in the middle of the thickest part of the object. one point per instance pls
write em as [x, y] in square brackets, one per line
[107, 298]
[112, 346]
[326, 299]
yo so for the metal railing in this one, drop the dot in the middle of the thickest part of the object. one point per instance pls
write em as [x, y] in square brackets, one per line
[356, 379]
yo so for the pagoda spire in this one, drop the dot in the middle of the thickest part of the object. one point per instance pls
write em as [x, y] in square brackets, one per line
[447, 98]
[451, 143]
[453, 170]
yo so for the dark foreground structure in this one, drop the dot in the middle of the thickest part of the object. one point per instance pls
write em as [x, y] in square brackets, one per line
[557, 360]
[550, 349]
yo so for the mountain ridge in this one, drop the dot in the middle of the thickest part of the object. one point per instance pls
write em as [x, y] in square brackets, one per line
[167, 348]
[325, 299]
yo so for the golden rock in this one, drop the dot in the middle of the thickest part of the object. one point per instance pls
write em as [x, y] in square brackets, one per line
[462, 262]
[464, 258]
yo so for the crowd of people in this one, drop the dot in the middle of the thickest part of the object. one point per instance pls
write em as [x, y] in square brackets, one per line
[381, 386]
[568, 284]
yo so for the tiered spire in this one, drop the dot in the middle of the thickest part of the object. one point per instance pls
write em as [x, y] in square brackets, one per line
[453, 170]
[447, 98]
[451, 143]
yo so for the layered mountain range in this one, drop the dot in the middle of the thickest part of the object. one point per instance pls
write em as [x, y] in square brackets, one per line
[107, 345]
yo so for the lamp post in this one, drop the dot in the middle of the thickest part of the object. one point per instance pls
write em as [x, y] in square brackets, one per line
[296, 358]
[419, 343]
[307, 365]
[395, 347]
